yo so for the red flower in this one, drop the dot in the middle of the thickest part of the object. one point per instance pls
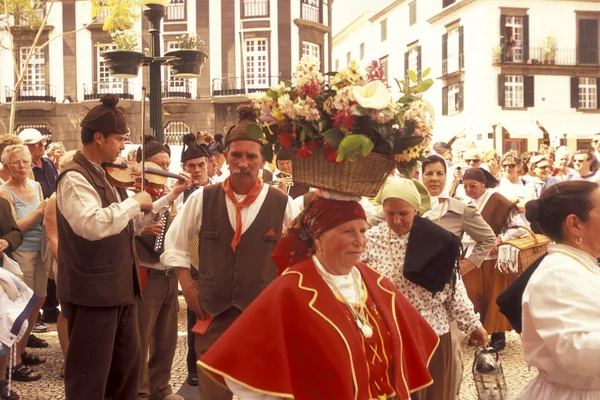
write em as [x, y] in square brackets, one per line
[285, 139]
[314, 145]
[304, 152]
[343, 119]
[331, 154]
[311, 90]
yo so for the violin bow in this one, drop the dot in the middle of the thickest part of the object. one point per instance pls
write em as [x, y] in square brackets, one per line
[143, 183]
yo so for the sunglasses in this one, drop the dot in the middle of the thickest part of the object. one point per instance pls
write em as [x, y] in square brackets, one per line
[472, 160]
[509, 165]
[544, 167]
[579, 161]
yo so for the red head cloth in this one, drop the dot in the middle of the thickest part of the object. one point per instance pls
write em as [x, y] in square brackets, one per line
[321, 215]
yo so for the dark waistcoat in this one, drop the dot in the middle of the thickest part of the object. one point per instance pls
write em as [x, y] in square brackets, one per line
[229, 279]
[101, 272]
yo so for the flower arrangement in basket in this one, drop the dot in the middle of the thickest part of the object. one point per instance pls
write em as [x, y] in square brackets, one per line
[346, 121]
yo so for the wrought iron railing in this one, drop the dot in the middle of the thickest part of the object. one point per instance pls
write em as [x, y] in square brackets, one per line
[121, 87]
[39, 93]
[240, 85]
[543, 55]
[177, 88]
[255, 8]
[311, 10]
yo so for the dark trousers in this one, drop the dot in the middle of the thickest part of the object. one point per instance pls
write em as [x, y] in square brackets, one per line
[51, 302]
[191, 353]
[104, 357]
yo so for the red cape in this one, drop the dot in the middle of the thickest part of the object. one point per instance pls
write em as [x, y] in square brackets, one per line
[294, 341]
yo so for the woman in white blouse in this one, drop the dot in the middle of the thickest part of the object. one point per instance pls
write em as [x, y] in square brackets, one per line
[561, 312]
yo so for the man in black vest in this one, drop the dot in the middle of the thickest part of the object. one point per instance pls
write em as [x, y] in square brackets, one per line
[243, 221]
[97, 264]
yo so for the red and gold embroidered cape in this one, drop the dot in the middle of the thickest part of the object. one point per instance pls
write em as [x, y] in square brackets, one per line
[295, 341]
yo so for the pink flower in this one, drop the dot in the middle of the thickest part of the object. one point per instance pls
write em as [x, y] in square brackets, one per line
[343, 119]
[312, 89]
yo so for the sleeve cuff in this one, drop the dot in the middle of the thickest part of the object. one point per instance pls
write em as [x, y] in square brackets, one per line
[160, 204]
[175, 259]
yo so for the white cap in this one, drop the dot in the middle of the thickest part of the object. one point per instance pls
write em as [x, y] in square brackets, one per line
[31, 136]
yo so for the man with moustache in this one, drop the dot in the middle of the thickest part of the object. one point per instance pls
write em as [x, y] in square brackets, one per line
[243, 221]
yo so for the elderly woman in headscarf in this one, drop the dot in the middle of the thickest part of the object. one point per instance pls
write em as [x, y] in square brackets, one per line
[421, 259]
[329, 327]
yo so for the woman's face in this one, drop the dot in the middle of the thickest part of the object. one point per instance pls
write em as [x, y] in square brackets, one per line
[510, 168]
[19, 165]
[493, 165]
[590, 230]
[341, 248]
[399, 215]
[434, 178]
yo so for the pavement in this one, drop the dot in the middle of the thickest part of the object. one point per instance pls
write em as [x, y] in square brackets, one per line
[50, 387]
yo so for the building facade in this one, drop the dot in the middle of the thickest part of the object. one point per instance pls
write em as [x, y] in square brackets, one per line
[509, 74]
[251, 44]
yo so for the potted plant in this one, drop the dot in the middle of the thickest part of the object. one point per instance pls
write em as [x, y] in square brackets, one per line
[549, 50]
[189, 58]
[126, 60]
[346, 133]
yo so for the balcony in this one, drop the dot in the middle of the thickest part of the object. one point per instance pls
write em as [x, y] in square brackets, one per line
[541, 56]
[311, 11]
[177, 89]
[255, 8]
[121, 87]
[239, 86]
[176, 11]
[31, 93]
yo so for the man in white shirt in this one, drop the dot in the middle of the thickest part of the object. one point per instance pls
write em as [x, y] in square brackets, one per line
[596, 146]
[97, 266]
[237, 235]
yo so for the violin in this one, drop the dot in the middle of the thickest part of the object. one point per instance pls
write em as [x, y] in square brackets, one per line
[126, 174]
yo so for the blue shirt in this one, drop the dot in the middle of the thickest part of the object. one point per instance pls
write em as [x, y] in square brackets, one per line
[46, 176]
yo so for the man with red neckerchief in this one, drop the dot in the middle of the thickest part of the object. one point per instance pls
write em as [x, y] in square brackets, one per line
[238, 234]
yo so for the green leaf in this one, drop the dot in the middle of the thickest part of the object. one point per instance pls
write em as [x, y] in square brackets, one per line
[429, 108]
[385, 130]
[424, 85]
[358, 110]
[340, 157]
[425, 73]
[412, 75]
[330, 73]
[267, 152]
[302, 134]
[254, 131]
[353, 144]
[406, 143]
[333, 137]
[272, 94]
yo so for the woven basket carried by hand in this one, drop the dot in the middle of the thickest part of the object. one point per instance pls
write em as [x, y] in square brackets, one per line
[530, 248]
[363, 177]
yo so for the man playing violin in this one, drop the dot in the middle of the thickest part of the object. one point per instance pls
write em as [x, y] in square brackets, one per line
[97, 263]
[239, 222]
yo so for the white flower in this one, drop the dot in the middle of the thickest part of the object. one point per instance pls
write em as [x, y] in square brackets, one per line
[374, 95]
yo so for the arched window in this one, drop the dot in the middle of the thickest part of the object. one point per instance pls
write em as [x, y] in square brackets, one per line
[174, 132]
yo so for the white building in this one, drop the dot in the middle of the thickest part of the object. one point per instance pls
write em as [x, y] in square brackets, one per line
[500, 79]
[251, 44]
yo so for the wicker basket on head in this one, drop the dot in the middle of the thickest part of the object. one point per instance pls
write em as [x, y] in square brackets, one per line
[530, 248]
[363, 177]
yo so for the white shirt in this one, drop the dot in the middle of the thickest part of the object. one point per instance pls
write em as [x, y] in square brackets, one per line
[512, 191]
[188, 221]
[561, 326]
[81, 206]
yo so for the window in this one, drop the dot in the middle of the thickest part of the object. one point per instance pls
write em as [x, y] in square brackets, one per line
[257, 65]
[588, 93]
[412, 62]
[413, 59]
[587, 41]
[362, 51]
[513, 91]
[34, 83]
[412, 11]
[453, 58]
[514, 39]
[311, 10]
[452, 99]
[383, 25]
[453, 50]
[175, 131]
[384, 64]
[312, 50]
[348, 58]
[105, 82]
[255, 8]
[172, 84]
[176, 11]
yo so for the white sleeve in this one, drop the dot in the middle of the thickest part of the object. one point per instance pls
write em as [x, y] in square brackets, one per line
[181, 232]
[81, 206]
[243, 393]
[563, 304]
[291, 211]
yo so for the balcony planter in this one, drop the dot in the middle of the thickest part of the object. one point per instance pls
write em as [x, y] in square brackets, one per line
[123, 64]
[187, 63]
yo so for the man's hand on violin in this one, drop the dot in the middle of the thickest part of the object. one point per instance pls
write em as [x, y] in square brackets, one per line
[145, 200]
[153, 229]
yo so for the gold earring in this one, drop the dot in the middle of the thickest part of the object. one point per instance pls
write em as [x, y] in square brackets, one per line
[578, 241]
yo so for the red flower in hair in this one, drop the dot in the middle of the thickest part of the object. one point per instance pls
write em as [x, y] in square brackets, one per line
[285, 139]
[304, 151]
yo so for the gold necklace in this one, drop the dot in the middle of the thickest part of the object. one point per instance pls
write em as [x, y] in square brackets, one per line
[359, 313]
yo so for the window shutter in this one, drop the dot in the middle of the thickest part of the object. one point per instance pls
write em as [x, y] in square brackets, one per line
[406, 66]
[461, 97]
[461, 48]
[597, 94]
[501, 102]
[419, 63]
[444, 53]
[525, 39]
[503, 37]
[529, 94]
[574, 92]
[445, 100]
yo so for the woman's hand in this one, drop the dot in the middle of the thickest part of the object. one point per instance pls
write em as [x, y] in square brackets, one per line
[480, 336]
[42, 207]
[3, 246]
